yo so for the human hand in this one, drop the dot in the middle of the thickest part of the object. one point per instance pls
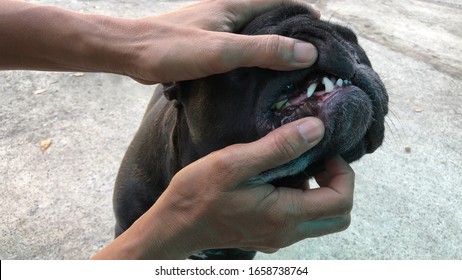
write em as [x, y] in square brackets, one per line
[196, 41]
[207, 205]
[189, 43]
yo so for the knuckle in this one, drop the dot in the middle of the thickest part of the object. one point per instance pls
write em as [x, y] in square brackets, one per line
[345, 205]
[223, 163]
[227, 164]
[285, 147]
[217, 53]
[273, 44]
[274, 47]
[221, 159]
[344, 222]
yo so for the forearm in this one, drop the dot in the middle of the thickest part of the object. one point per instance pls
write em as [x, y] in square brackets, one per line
[158, 234]
[37, 37]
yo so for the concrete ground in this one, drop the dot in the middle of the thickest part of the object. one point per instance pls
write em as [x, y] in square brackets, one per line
[56, 204]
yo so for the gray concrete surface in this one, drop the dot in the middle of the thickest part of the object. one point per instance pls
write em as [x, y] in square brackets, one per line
[408, 205]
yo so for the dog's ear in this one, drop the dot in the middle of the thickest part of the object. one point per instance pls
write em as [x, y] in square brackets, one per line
[171, 90]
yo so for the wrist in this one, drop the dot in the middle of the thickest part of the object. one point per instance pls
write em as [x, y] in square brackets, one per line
[157, 234]
[130, 47]
[162, 236]
[111, 45]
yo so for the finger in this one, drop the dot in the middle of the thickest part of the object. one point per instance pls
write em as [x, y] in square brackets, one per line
[322, 227]
[322, 179]
[339, 165]
[339, 172]
[278, 147]
[265, 51]
[333, 199]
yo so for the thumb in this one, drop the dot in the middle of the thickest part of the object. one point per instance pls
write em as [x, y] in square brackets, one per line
[230, 51]
[277, 148]
[275, 52]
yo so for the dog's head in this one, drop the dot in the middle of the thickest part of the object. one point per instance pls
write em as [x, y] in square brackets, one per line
[243, 105]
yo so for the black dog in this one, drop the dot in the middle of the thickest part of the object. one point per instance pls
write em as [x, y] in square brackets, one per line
[204, 115]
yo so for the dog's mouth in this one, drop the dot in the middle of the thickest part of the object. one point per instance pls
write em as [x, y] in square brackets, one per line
[305, 99]
[345, 105]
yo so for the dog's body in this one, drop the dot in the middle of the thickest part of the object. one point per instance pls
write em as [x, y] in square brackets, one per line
[205, 115]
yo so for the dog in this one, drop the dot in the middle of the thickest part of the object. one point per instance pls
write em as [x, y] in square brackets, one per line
[189, 119]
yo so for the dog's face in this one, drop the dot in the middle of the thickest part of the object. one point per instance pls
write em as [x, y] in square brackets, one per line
[341, 89]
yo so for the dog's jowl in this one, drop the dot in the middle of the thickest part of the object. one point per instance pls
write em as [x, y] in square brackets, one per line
[187, 120]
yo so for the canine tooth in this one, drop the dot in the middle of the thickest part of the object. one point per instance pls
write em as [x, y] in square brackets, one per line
[328, 83]
[339, 82]
[311, 89]
[280, 104]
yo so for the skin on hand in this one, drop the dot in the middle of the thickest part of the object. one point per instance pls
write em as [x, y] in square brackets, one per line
[207, 205]
[262, 217]
[191, 35]
[180, 45]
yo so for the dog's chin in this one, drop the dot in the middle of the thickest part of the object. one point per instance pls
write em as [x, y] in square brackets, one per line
[347, 114]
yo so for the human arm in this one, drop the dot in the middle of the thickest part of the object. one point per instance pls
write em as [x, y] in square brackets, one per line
[151, 49]
[207, 206]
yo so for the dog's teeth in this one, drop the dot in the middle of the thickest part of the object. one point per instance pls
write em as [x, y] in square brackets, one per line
[280, 104]
[347, 82]
[339, 82]
[311, 89]
[328, 83]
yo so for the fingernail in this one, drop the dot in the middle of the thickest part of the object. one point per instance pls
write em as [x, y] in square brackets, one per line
[311, 129]
[305, 52]
[317, 13]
